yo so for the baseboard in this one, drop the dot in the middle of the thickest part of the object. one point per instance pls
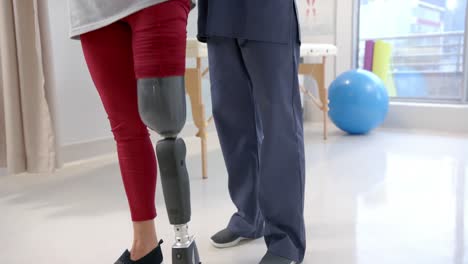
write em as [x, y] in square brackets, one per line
[87, 149]
[105, 146]
[428, 117]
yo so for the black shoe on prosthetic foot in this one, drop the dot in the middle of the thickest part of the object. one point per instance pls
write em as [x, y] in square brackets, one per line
[154, 257]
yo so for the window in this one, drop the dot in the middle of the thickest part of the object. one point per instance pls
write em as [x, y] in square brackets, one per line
[417, 47]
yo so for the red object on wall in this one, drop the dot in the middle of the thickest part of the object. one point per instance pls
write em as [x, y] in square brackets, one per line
[311, 8]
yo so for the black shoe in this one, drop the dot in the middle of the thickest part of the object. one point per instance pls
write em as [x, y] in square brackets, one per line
[154, 257]
[269, 258]
[226, 239]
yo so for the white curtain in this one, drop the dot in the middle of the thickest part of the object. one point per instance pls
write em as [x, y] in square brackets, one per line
[27, 139]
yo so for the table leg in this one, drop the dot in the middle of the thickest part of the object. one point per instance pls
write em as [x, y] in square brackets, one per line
[317, 71]
[194, 90]
[323, 94]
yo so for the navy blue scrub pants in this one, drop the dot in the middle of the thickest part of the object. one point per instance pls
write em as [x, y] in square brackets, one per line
[258, 116]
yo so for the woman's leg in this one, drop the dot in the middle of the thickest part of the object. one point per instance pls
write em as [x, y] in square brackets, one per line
[159, 38]
[109, 55]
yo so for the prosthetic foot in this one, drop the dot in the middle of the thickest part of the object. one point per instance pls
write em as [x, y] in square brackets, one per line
[162, 107]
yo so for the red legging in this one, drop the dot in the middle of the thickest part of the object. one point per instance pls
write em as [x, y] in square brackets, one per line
[150, 43]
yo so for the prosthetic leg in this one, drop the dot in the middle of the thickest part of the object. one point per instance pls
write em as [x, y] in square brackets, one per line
[162, 107]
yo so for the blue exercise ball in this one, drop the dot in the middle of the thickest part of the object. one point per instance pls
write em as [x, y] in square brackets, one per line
[358, 101]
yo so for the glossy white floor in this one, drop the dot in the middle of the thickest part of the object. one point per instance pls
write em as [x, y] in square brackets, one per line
[391, 197]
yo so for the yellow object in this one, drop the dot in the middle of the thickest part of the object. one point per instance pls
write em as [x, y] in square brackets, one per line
[382, 65]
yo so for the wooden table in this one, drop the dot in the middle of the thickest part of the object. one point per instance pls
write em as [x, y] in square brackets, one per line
[194, 75]
[317, 70]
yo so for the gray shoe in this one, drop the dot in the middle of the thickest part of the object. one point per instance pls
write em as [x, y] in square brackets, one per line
[226, 239]
[269, 258]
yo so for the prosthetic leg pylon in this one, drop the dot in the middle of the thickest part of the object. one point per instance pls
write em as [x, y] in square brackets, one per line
[162, 107]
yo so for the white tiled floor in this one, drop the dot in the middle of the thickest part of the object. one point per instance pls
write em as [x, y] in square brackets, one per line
[390, 197]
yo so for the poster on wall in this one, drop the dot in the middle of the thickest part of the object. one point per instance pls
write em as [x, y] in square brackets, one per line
[317, 17]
